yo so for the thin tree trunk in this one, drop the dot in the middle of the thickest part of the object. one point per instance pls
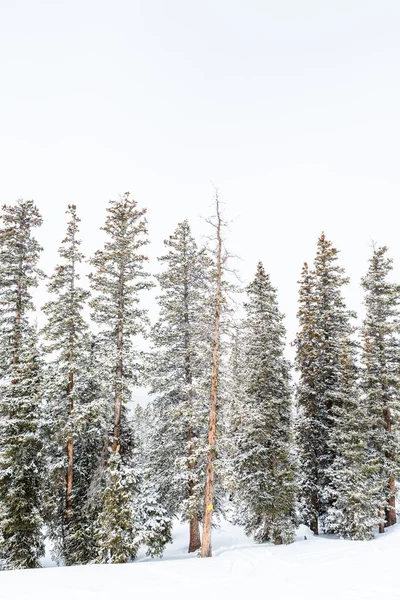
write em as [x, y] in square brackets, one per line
[206, 549]
[391, 517]
[70, 454]
[314, 523]
[194, 527]
[381, 523]
[119, 369]
[390, 512]
[70, 440]
[17, 327]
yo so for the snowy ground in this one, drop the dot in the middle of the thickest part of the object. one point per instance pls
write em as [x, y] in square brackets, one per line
[322, 568]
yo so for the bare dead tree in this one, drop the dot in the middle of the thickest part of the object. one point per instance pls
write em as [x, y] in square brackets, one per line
[221, 257]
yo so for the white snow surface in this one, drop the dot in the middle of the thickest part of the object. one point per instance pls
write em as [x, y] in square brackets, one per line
[314, 568]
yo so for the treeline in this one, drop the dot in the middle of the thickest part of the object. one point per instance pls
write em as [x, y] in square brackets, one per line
[225, 432]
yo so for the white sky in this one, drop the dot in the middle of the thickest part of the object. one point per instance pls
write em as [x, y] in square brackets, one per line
[291, 108]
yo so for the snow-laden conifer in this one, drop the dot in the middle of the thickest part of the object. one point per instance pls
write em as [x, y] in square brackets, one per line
[21, 473]
[325, 323]
[233, 410]
[352, 513]
[381, 378]
[117, 281]
[179, 378]
[154, 523]
[66, 335]
[264, 466]
[308, 435]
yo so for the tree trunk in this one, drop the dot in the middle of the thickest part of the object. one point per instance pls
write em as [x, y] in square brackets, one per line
[390, 512]
[314, 523]
[381, 523]
[391, 517]
[17, 325]
[206, 549]
[119, 368]
[70, 455]
[314, 526]
[194, 534]
[194, 528]
[70, 440]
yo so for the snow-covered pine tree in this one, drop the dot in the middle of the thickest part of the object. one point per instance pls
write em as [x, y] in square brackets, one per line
[352, 513]
[324, 325]
[233, 409]
[179, 378]
[91, 442]
[66, 336]
[21, 540]
[381, 377]
[117, 281]
[264, 466]
[154, 524]
[308, 435]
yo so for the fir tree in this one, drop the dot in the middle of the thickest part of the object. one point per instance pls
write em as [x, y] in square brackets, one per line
[381, 378]
[308, 435]
[179, 378]
[91, 443]
[324, 325]
[21, 465]
[352, 513]
[20, 455]
[66, 334]
[117, 281]
[154, 524]
[233, 410]
[263, 466]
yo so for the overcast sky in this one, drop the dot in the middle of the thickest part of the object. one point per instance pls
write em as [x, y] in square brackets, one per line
[290, 107]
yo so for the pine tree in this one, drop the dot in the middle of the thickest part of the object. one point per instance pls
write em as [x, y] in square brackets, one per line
[352, 513]
[20, 455]
[154, 524]
[90, 458]
[179, 378]
[324, 325]
[264, 466]
[66, 334]
[233, 410]
[381, 378]
[117, 281]
[308, 434]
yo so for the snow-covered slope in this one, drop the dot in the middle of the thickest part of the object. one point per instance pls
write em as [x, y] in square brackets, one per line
[313, 568]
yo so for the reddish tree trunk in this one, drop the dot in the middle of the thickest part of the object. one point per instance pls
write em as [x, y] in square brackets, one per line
[391, 517]
[390, 512]
[381, 523]
[206, 549]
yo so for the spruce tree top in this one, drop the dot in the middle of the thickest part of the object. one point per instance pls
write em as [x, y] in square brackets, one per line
[119, 273]
[19, 253]
[66, 325]
[382, 296]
